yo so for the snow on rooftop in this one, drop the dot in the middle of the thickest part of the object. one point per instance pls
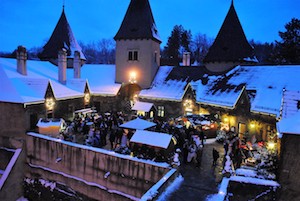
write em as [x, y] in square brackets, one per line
[32, 87]
[267, 81]
[101, 78]
[142, 106]
[152, 138]
[290, 125]
[168, 90]
[165, 89]
[222, 97]
[138, 124]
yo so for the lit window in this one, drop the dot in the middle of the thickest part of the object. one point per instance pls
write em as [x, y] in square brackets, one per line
[161, 111]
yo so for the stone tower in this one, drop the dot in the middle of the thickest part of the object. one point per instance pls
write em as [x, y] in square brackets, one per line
[137, 46]
[230, 47]
[62, 38]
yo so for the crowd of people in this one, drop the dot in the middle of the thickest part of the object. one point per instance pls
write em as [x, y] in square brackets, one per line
[104, 131]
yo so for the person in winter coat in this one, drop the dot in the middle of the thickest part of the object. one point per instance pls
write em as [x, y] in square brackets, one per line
[192, 152]
[215, 156]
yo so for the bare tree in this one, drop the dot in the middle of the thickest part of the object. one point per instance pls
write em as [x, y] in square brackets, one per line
[200, 46]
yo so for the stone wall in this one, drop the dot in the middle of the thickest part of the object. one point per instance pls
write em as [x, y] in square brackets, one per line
[289, 173]
[12, 188]
[83, 168]
[12, 120]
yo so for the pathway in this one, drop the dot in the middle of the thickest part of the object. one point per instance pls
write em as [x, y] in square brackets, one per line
[199, 182]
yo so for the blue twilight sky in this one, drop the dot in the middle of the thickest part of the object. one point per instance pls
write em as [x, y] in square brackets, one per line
[31, 22]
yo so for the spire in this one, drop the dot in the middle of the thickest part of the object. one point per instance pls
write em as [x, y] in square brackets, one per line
[62, 37]
[138, 22]
[231, 44]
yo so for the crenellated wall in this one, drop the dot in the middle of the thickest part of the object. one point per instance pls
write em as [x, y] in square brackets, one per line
[84, 168]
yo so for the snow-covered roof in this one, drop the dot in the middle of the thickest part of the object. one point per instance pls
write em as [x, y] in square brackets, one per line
[101, 78]
[138, 124]
[152, 138]
[209, 94]
[142, 106]
[31, 88]
[163, 89]
[290, 125]
[265, 82]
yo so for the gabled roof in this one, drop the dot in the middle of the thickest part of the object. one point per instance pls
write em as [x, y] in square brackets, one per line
[62, 37]
[138, 23]
[171, 82]
[267, 82]
[231, 44]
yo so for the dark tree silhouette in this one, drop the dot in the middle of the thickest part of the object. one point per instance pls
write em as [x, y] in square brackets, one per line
[288, 49]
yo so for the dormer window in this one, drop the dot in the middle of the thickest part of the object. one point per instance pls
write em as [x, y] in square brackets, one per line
[133, 55]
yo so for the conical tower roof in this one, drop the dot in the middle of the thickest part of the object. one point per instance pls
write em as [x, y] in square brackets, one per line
[138, 22]
[62, 37]
[231, 44]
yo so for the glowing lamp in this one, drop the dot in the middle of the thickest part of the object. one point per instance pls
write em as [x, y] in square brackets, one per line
[49, 103]
[87, 98]
[132, 77]
[252, 125]
[271, 145]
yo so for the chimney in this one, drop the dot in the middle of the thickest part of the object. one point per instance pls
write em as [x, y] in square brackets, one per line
[77, 64]
[21, 60]
[62, 66]
[186, 59]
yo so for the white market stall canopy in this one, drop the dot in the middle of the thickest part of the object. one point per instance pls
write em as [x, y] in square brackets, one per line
[142, 106]
[152, 138]
[51, 126]
[85, 111]
[138, 124]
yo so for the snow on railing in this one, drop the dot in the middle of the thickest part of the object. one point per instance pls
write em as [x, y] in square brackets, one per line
[9, 167]
[153, 192]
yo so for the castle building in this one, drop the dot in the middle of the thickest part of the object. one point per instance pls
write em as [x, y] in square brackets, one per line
[137, 46]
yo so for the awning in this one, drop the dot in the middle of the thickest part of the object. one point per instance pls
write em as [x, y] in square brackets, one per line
[138, 124]
[142, 106]
[152, 138]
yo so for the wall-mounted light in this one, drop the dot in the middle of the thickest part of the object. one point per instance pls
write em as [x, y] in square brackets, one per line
[271, 145]
[87, 98]
[252, 125]
[50, 103]
[188, 104]
[132, 77]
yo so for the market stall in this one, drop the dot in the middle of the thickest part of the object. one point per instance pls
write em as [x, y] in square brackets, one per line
[152, 145]
[138, 124]
[51, 127]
